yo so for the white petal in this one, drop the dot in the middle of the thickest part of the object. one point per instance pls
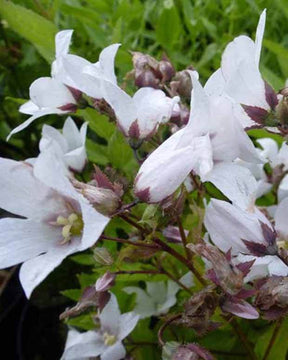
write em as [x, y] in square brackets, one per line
[74, 75]
[270, 150]
[76, 159]
[35, 270]
[281, 223]
[94, 223]
[153, 107]
[235, 182]
[49, 135]
[277, 267]
[46, 92]
[228, 225]
[114, 352]
[82, 345]
[36, 115]
[72, 134]
[106, 62]
[21, 193]
[283, 189]
[29, 108]
[145, 306]
[122, 104]
[128, 321]
[259, 36]
[110, 316]
[62, 42]
[21, 240]
[157, 290]
[215, 85]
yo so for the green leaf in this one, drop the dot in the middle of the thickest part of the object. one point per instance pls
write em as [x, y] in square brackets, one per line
[83, 259]
[168, 27]
[119, 152]
[281, 52]
[98, 123]
[96, 153]
[33, 27]
[73, 294]
[84, 322]
[280, 346]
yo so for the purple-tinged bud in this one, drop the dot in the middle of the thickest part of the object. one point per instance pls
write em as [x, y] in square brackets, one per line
[239, 307]
[271, 96]
[182, 84]
[192, 352]
[272, 297]
[146, 78]
[199, 309]
[146, 70]
[89, 298]
[166, 69]
[223, 273]
[102, 256]
[282, 114]
[105, 282]
[172, 234]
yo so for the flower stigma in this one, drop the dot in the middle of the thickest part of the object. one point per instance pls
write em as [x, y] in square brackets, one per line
[109, 339]
[71, 225]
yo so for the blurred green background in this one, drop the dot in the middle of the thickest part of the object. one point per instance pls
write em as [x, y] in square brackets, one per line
[188, 31]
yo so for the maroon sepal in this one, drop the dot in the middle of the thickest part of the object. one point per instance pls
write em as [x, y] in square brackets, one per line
[101, 179]
[245, 267]
[211, 275]
[255, 249]
[271, 96]
[256, 113]
[75, 93]
[274, 313]
[68, 107]
[143, 195]
[245, 293]
[134, 131]
[269, 234]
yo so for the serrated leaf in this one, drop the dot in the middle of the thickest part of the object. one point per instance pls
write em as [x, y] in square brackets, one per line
[96, 153]
[33, 27]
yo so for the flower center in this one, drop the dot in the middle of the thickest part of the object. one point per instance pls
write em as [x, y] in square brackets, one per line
[71, 225]
[109, 339]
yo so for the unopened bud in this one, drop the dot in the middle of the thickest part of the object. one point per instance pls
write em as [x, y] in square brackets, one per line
[105, 282]
[282, 112]
[166, 69]
[192, 352]
[104, 200]
[182, 84]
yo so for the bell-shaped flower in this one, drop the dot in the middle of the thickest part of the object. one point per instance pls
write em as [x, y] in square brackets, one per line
[248, 234]
[69, 145]
[79, 73]
[48, 96]
[212, 139]
[106, 341]
[158, 298]
[240, 78]
[139, 116]
[55, 220]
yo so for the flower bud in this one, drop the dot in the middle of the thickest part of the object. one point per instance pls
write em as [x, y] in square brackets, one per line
[182, 84]
[192, 352]
[105, 282]
[106, 201]
[166, 69]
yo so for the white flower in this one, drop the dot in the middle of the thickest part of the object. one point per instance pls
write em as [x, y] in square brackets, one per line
[139, 116]
[78, 72]
[105, 342]
[158, 298]
[212, 139]
[230, 227]
[57, 221]
[240, 78]
[48, 96]
[69, 145]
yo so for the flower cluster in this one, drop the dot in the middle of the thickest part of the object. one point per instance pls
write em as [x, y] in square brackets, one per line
[195, 227]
